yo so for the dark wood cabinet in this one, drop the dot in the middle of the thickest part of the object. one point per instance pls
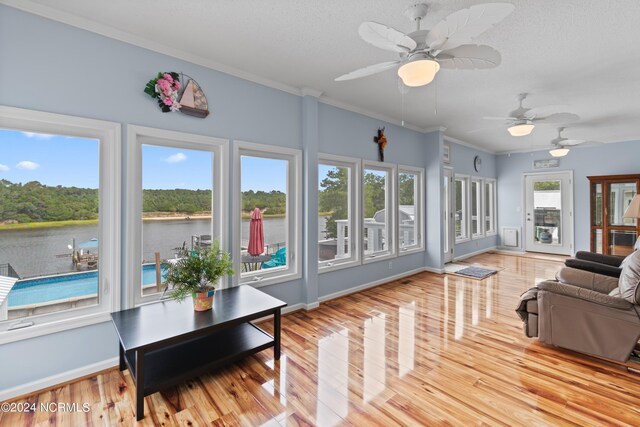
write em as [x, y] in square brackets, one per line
[610, 195]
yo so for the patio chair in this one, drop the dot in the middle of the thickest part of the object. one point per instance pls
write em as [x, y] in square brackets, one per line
[277, 260]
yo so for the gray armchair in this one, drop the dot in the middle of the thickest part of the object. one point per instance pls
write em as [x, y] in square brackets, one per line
[586, 312]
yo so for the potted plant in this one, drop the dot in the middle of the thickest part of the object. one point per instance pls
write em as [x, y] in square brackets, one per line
[195, 272]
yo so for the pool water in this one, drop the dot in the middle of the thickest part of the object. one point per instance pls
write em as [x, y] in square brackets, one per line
[73, 285]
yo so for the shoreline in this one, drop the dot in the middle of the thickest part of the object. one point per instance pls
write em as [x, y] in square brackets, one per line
[56, 224]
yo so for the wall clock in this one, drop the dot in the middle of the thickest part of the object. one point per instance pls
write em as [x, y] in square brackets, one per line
[477, 163]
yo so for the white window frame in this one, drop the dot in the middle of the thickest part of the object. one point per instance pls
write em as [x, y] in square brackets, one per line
[137, 136]
[465, 209]
[391, 207]
[354, 211]
[479, 207]
[293, 270]
[492, 230]
[108, 217]
[419, 214]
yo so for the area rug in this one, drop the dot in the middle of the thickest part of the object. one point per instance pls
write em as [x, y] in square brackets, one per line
[476, 272]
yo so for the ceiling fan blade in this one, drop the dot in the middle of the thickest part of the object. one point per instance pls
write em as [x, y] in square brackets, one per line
[470, 57]
[544, 111]
[581, 142]
[367, 71]
[386, 38]
[463, 26]
[499, 118]
[558, 118]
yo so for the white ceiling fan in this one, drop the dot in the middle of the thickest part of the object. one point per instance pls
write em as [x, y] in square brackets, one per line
[522, 120]
[423, 52]
[561, 143]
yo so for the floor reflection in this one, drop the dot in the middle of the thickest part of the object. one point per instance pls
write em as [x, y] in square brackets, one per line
[333, 374]
[406, 337]
[374, 356]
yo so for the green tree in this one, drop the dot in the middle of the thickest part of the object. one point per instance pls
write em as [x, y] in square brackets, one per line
[406, 188]
[334, 198]
[374, 193]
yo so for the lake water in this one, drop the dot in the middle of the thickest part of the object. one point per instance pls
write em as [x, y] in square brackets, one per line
[33, 252]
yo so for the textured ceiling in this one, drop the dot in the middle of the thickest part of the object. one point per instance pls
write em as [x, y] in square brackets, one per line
[582, 53]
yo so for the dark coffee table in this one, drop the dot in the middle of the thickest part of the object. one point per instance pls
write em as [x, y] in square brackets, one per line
[166, 343]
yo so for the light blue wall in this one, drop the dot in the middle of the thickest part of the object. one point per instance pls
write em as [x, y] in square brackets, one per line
[462, 162]
[49, 66]
[607, 159]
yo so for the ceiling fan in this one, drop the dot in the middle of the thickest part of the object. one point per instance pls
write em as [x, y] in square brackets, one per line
[561, 143]
[423, 52]
[522, 120]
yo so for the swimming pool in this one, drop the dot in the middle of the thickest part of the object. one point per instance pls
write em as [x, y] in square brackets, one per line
[61, 287]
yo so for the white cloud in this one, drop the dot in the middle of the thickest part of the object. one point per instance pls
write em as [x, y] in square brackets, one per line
[4, 168]
[176, 158]
[37, 135]
[27, 165]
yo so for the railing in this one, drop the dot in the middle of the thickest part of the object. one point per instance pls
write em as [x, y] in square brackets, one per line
[374, 236]
[8, 271]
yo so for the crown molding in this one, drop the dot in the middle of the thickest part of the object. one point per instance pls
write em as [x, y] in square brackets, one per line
[469, 145]
[307, 91]
[345, 106]
[126, 37]
[434, 129]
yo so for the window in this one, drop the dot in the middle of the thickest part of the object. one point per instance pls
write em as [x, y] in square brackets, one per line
[476, 208]
[410, 208]
[461, 212]
[59, 222]
[490, 207]
[173, 206]
[338, 189]
[379, 210]
[267, 181]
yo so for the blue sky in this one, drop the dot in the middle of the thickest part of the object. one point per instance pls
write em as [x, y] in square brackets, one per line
[69, 161]
[51, 160]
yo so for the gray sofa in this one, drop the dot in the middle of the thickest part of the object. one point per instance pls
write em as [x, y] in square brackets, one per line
[587, 312]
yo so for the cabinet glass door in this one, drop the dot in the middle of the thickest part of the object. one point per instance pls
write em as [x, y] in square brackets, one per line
[620, 195]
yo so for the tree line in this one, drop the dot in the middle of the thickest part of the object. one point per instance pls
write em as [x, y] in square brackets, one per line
[35, 202]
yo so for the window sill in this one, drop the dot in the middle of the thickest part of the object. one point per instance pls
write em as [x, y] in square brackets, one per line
[380, 257]
[53, 327]
[337, 266]
[411, 250]
[258, 281]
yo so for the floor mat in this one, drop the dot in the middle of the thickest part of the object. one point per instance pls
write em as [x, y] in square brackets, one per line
[476, 272]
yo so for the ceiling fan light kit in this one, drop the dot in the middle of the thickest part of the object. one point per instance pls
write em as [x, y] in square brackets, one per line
[559, 152]
[418, 72]
[522, 129]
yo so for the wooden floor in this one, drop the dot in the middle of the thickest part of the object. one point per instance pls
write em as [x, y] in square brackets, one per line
[427, 350]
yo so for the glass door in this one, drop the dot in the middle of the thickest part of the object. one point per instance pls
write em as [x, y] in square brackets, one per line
[548, 225]
[621, 232]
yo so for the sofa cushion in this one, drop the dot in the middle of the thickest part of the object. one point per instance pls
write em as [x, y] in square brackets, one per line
[629, 283]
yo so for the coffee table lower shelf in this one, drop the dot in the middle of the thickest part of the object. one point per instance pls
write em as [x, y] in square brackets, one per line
[179, 362]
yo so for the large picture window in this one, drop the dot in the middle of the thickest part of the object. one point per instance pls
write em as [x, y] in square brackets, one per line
[410, 208]
[338, 189]
[379, 207]
[461, 217]
[174, 208]
[59, 222]
[267, 192]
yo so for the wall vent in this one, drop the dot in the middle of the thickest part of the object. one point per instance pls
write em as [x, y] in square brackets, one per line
[510, 237]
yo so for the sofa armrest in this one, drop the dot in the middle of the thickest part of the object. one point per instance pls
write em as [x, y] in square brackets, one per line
[585, 294]
[611, 260]
[594, 267]
[588, 280]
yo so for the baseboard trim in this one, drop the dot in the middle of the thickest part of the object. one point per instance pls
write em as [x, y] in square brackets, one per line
[505, 251]
[434, 270]
[364, 286]
[57, 379]
[472, 254]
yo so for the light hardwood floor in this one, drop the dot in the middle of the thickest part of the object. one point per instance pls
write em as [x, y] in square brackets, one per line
[426, 350]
